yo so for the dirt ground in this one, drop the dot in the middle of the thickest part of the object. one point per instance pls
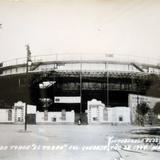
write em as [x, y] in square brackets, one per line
[77, 142]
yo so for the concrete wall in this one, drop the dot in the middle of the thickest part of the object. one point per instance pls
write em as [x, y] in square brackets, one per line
[19, 111]
[120, 115]
[116, 115]
[4, 116]
[96, 110]
[55, 117]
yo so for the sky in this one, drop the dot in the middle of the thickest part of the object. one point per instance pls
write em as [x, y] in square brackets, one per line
[86, 27]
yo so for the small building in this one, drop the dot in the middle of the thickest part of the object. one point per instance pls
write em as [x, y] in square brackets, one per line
[98, 113]
[16, 114]
[19, 113]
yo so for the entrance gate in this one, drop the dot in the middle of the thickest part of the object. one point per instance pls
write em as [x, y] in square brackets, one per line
[97, 113]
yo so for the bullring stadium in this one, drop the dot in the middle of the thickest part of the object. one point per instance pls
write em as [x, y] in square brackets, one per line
[61, 83]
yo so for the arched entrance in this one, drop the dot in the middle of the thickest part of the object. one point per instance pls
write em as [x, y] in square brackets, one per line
[97, 113]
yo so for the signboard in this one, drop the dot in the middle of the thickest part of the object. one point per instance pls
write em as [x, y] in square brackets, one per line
[31, 109]
[67, 99]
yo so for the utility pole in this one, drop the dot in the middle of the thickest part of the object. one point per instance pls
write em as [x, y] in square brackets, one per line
[28, 63]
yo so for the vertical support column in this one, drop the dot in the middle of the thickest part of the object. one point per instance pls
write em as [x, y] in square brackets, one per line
[80, 87]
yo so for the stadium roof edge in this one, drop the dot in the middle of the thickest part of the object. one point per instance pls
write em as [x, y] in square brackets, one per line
[2, 67]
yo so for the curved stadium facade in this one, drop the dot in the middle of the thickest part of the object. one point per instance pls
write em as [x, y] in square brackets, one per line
[109, 79]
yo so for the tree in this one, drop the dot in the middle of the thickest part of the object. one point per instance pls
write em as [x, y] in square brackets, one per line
[156, 108]
[142, 109]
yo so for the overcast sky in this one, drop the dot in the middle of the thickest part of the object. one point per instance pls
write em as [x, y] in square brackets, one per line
[130, 27]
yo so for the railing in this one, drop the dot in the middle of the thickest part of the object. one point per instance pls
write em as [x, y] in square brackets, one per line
[72, 57]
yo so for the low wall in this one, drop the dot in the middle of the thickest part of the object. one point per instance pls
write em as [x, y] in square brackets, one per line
[4, 116]
[117, 115]
[120, 115]
[55, 117]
